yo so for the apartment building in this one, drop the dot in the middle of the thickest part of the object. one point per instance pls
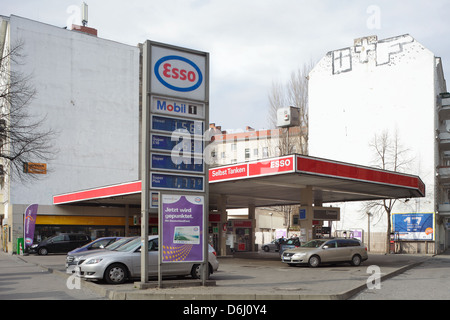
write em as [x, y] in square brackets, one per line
[88, 90]
[388, 86]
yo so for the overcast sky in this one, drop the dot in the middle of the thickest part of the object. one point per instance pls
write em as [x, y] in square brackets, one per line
[251, 42]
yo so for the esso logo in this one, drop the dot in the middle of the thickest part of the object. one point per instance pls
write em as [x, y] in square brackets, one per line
[280, 163]
[178, 73]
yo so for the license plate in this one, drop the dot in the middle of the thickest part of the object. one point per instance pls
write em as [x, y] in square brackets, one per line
[286, 259]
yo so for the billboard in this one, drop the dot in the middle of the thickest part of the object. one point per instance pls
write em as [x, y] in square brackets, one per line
[182, 228]
[413, 226]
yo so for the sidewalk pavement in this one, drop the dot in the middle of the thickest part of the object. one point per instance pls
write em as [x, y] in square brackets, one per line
[253, 276]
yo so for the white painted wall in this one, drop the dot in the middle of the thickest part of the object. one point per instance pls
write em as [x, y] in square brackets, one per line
[89, 90]
[364, 89]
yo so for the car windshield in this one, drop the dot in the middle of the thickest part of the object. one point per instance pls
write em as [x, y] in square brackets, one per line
[130, 246]
[118, 243]
[313, 243]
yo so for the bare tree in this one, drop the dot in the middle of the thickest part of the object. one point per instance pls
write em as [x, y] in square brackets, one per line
[389, 154]
[23, 137]
[293, 93]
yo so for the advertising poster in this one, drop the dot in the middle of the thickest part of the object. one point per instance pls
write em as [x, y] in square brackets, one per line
[29, 224]
[182, 228]
[413, 226]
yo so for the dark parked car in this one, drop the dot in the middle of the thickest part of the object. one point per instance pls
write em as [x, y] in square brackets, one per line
[289, 244]
[61, 243]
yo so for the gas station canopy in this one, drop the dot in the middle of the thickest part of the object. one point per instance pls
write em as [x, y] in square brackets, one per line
[279, 181]
[273, 182]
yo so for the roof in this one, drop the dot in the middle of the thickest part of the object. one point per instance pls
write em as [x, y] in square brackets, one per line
[275, 181]
[267, 183]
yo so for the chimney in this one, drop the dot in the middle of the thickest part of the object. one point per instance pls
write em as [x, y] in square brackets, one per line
[84, 21]
[84, 29]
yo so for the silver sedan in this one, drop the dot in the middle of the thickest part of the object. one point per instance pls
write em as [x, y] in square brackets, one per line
[316, 252]
[124, 263]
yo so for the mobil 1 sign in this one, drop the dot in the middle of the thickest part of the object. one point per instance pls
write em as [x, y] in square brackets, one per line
[174, 107]
[179, 73]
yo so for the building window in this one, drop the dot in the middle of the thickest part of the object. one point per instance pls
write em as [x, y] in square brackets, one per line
[255, 152]
[265, 152]
[234, 147]
[247, 153]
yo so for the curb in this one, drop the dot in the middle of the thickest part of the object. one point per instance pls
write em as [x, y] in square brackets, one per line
[349, 294]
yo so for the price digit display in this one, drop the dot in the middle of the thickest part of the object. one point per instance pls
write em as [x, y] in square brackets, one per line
[167, 162]
[176, 182]
[169, 124]
[165, 143]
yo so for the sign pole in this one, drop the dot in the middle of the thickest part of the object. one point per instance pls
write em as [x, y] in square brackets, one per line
[145, 163]
[175, 106]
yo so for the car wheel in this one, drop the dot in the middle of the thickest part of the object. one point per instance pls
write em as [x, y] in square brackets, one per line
[43, 251]
[314, 261]
[266, 249]
[116, 274]
[196, 271]
[356, 260]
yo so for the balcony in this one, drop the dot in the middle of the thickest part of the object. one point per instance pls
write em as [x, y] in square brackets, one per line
[444, 113]
[444, 141]
[444, 175]
[444, 110]
[444, 209]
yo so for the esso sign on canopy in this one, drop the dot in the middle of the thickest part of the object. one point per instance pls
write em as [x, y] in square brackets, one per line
[280, 163]
[271, 166]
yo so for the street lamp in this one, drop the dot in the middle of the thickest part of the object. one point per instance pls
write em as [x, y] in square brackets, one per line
[368, 230]
[271, 228]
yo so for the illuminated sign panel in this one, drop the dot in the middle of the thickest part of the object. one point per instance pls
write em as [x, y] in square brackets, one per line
[177, 182]
[175, 107]
[162, 142]
[171, 124]
[178, 73]
[179, 164]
